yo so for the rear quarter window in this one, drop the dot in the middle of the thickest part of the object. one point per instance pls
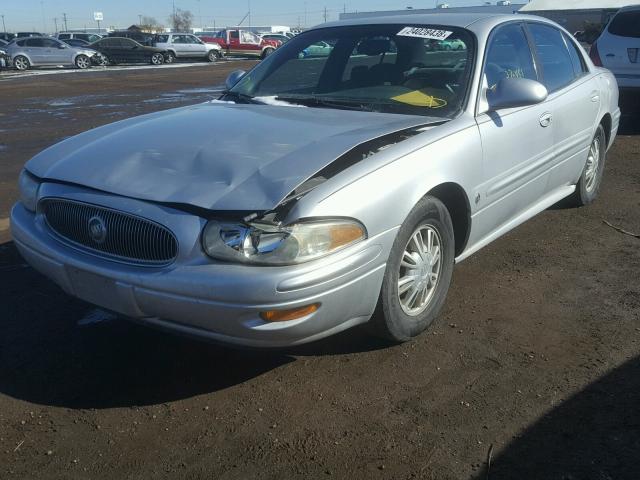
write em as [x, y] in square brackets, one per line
[626, 24]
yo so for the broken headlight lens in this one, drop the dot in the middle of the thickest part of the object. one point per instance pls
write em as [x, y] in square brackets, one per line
[280, 245]
[28, 185]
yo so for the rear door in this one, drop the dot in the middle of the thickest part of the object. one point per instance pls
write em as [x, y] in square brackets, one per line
[619, 46]
[517, 143]
[574, 97]
[34, 47]
[181, 45]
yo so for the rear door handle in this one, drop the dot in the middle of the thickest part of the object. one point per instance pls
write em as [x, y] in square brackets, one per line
[545, 119]
[610, 55]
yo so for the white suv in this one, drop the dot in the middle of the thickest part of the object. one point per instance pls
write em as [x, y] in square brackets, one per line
[618, 47]
[186, 45]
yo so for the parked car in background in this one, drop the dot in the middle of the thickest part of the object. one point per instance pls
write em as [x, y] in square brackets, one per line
[5, 59]
[88, 37]
[404, 162]
[243, 43]
[76, 42]
[318, 49]
[618, 47]
[124, 50]
[29, 34]
[46, 51]
[143, 38]
[6, 36]
[280, 37]
[186, 45]
[3, 43]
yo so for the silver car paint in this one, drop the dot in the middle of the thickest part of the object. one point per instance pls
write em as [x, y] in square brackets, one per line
[506, 166]
[43, 56]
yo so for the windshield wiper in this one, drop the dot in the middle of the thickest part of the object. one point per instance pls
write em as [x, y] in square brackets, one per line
[312, 101]
[238, 97]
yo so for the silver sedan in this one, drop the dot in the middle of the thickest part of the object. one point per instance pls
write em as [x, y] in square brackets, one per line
[47, 51]
[318, 191]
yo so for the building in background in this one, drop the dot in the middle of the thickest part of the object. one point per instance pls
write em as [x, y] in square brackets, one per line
[576, 15]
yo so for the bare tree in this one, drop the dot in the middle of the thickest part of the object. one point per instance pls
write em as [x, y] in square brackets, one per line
[181, 20]
[151, 25]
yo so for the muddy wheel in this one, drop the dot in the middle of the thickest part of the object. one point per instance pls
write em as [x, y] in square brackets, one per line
[21, 63]
[82, 62]
[418, 273]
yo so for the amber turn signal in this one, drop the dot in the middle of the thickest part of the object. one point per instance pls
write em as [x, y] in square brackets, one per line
[286, 315]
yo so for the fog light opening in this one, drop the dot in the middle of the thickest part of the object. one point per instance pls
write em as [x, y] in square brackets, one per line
[292, 314]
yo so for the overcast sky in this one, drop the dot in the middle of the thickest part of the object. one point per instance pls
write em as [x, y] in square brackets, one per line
[38, 15]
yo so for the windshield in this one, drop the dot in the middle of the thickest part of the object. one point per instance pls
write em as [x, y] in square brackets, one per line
[419, 70]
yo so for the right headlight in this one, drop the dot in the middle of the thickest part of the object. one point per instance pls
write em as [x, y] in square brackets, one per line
[280, 245]
[28, 185]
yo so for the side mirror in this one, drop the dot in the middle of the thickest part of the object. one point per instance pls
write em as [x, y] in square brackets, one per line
[516, 92]
[233, 78]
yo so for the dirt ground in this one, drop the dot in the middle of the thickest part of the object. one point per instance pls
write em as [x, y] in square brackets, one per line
[532, 371]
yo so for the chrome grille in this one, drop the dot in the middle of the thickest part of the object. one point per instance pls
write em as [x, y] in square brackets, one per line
[110, 233]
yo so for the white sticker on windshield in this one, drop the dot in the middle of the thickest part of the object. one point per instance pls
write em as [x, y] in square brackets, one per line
[420, 32]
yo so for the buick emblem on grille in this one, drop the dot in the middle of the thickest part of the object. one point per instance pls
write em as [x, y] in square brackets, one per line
[97, 229]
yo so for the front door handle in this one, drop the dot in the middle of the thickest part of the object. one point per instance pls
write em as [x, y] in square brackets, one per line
[545, 119]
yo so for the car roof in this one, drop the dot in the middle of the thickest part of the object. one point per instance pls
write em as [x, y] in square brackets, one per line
[477, 22]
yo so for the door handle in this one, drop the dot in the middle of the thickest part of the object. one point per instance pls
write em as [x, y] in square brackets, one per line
[610, 55]
[545, 119]
[595, 97]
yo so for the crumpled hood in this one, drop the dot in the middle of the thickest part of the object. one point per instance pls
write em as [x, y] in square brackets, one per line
[216, 156]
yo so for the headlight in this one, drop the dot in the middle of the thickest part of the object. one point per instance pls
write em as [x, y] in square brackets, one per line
[280, 245]
[28, 185]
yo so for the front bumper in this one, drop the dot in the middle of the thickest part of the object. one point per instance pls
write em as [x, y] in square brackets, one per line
[217, 301]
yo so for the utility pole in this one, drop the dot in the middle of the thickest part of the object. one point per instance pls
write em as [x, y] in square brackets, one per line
[139, 19]
[249, 1]
[64, 19]
[305, 14]
[4, 27]
[55, 22]
[325, 14]
[44, 22]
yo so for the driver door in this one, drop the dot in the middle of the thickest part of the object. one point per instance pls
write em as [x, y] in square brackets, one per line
[517, 142]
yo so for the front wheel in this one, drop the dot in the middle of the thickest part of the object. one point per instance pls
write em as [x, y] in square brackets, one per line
[21, 63]
[83, 62]
[589, 184]
[170, 57]
[157, 59]
[267, 52]
[212, 56]
[418, 273]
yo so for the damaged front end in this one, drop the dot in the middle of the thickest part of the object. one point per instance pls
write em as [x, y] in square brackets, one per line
[264, 239]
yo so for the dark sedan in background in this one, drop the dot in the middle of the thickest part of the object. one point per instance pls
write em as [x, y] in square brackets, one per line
[124, 50]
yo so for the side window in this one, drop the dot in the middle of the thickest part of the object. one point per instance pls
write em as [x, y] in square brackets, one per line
[35, 42]
[557, 68]
[162, 38]
[234, 35]
[50, 43]
[64, 36]
[509, 56]
[577, 60]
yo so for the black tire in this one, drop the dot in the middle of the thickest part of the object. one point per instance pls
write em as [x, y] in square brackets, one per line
[170, 57]
[212, 56]
[588, 186]
[391, 320]
[82, 62]
[20, 62]
[266, 52]
[157, 59]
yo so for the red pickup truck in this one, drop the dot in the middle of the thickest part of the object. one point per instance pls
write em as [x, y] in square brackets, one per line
[242, 43]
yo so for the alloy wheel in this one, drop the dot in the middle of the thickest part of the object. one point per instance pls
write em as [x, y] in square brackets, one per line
[593, 165]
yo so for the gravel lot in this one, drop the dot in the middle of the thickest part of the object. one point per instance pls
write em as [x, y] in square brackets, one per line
[532, 370]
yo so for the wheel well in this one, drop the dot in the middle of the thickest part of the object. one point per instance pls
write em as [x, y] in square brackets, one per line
[606, 124]
[455, 199]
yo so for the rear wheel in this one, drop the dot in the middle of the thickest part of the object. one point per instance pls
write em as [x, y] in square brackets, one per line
[589, 184]
[267, 52]
[212, 56]
[83, 62]
[418, 273]
[21, 62]
[157, 59]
